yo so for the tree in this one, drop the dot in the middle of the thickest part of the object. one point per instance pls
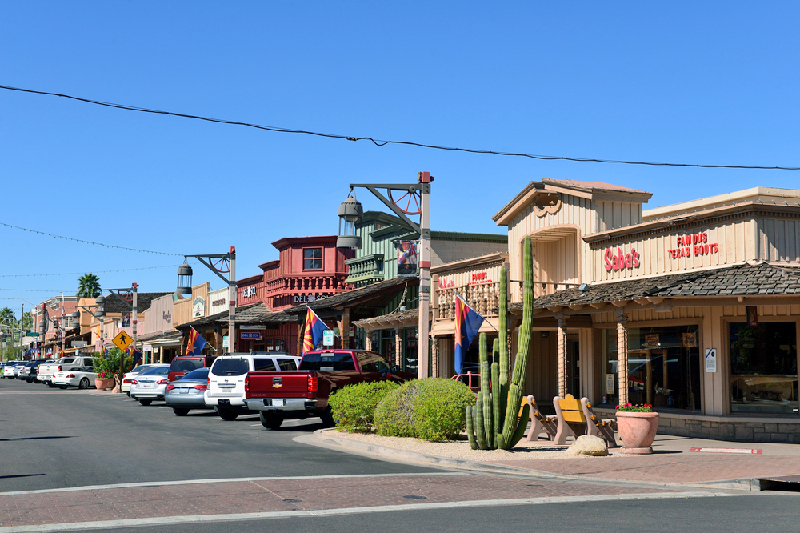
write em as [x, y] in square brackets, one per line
[89, 286]
[7, 316]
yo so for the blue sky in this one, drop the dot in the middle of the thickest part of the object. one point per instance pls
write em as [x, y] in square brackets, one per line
[684, 82]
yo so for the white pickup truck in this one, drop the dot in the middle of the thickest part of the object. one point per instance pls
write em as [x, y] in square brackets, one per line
[47, 370]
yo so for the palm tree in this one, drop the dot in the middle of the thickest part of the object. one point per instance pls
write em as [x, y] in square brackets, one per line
[7, 316]
[89, 286]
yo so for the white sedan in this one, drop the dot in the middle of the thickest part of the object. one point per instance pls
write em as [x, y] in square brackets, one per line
[127, 379]
[81, 377]
[151, 384]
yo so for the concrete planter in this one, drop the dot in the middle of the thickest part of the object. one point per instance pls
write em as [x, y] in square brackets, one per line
[637, 431]
[103, 384]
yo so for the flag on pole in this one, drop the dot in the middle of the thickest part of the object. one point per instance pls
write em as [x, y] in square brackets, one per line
[314, 329]
[467, 324]
[196, 343]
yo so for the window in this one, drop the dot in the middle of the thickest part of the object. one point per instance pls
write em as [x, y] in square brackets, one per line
[328, 361]
[263, 364]
[312, 258]
[230, 367]
[287, 364]
[764, 368]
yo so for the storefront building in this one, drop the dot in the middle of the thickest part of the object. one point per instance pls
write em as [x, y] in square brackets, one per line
[693, 307]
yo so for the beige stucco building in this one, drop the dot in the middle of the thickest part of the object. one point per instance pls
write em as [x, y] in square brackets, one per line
[692, 307]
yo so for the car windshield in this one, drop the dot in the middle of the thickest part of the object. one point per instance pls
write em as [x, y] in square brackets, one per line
[230, 367]
[157, 371]
[199, 374]
[327, 361]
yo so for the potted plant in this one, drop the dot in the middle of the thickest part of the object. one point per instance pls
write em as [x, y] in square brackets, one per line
[107, 368]
[637, 426]
[104, 380]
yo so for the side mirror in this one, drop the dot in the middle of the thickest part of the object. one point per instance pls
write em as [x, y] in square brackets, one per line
[395, 369]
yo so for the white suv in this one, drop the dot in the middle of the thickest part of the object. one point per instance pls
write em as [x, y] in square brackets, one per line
[225, 392]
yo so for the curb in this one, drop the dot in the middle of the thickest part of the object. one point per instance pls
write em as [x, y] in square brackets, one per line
[325, 439]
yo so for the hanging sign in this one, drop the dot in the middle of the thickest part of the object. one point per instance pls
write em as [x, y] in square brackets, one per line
[407, 258]
[610, 379]
[199, 307]
[711, 360]
[651, 341]
[689, 339]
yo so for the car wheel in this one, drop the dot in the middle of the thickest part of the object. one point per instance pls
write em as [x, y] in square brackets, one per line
[50, 384]
[128, 393]
[62, 387]
[84, 384]
[270, 420]
[180, 411]
[228, 414]
[145, 402]
[327, 417]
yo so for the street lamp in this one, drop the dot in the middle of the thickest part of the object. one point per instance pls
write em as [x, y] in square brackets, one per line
[420, 194]
[219, 264]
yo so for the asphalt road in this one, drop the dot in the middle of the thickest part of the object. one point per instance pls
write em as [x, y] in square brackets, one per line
[76, 453]
[52, 438]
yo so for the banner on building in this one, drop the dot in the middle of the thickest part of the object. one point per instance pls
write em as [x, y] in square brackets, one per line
[407, 258]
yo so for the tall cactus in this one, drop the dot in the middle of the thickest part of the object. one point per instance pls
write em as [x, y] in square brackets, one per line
[496, 422]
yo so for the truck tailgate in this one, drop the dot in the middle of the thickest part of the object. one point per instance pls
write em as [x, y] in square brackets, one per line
[287, 384]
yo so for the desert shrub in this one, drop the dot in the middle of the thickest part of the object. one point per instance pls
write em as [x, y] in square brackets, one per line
[353, 406]
[431, 409]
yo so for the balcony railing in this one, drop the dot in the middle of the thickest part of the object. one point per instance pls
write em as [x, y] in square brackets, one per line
[483, 298]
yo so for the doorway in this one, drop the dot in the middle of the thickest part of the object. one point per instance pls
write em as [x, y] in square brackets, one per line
[573, 367]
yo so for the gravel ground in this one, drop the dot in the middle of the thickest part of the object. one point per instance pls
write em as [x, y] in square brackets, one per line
[460, 449]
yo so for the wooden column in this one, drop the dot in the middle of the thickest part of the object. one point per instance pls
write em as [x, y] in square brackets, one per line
[398, 347]
[368, 340]
[435, 356]
[435, 296]
[562, 357]
[344, 328]
[622, 356]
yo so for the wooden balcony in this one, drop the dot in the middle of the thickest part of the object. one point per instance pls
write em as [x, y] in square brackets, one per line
[484, 298]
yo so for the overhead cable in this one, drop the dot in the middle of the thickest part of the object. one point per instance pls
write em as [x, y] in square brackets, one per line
[381, 142]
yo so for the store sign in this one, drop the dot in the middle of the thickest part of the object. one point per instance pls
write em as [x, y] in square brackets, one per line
[217, 303]
[249, 292]
[166, 316]
[198, 307]
[651, 341]
[251, 335]
[620, 261]
[711, 360]
[78, 344]
[693, 245]
[308, 298]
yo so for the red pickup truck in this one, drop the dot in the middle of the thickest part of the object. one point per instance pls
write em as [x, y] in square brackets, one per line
[304, 393]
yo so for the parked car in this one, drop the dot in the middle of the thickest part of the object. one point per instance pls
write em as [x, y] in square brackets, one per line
[13, 371]
[151, 384]
[186, 393]
[76, 376]
[8, 369]
[304, 393]
[183, 364]
[32, 375]
[127, 379]
[226, 389]
[47, 370]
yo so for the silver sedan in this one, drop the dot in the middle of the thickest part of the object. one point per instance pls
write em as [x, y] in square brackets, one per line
[150, 384]
[186, 393]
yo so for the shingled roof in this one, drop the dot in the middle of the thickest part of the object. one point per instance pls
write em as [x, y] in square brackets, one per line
[739, 280]
[382, 290]
[256, 313]
[115, 304]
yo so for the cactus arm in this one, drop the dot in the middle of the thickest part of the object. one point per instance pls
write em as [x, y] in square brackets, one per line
[498, 425]
[502, 341]
[486, 395]
[521, 426]
[480, 431]
[473, 444]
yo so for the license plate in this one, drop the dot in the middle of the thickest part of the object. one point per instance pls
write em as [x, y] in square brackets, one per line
[183, 391]
[277, 403]
[146, 386]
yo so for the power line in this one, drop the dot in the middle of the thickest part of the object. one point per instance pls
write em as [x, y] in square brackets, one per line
[82, 273]
[381, 142]
[86, 242]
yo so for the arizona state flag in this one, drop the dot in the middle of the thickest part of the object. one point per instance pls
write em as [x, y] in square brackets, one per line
[196, 343]
[467, 324]
[314, 329]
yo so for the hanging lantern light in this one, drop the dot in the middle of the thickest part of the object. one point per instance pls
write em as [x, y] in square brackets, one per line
[100, 303]
[184, 279]
[349, 215]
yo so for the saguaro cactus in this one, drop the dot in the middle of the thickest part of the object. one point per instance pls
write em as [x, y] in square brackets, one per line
[495, 421]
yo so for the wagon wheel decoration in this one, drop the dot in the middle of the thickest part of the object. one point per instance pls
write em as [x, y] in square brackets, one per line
[404, 202]
[223, 266]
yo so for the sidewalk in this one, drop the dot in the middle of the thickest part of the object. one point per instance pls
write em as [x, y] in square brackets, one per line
[672, 463]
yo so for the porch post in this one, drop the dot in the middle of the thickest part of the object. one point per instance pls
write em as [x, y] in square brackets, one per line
[622, 356]
[562, 357]
[398, 347]
[344, 328]
[435, 356]
[368, 340]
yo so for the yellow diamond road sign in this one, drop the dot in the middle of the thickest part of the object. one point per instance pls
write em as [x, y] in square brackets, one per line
[123, 340]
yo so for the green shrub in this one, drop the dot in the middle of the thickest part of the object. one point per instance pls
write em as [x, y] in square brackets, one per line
[353, 406]
[431, 409]
[107, 365]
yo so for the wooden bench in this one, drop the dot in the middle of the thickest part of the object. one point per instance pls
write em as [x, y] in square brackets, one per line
[539, 422]
[575, 417]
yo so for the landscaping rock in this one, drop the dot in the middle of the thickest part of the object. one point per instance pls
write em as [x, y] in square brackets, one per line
[588, 445]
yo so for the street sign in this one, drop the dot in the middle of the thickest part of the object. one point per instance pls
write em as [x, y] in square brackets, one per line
[225, 342]
[31, 334]
[327, 337]
[123, 340]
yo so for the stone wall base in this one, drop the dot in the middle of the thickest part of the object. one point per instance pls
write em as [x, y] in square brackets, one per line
[733, 430]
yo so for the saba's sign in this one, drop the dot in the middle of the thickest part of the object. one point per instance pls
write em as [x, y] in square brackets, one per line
[617, 260]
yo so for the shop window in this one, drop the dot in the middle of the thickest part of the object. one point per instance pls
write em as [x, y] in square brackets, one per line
[312, 258]
[663, 367]
[764, 368]
[410, 350]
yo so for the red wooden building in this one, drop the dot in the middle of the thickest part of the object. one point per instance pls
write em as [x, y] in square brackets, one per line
[308, 269]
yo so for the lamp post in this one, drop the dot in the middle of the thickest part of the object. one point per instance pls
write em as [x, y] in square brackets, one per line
[99, 313]
[420, 194]
[219, 264]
